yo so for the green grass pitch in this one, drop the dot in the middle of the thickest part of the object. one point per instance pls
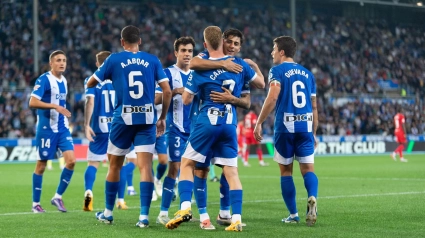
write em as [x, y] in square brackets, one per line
[359, 196]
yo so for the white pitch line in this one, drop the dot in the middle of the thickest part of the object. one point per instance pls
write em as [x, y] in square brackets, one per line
[337, 178]
[257, 201]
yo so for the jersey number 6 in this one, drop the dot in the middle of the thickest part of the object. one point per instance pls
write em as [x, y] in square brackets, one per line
[298, 94]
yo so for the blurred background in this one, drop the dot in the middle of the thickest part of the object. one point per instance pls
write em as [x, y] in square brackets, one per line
[368, 57]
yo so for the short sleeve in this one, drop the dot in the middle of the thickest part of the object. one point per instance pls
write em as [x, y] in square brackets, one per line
[160, 74]
[191, 85]
[313, 86]
[90, 92]
[204, 55]
[104, 71]
[274, 76]
[249, 73]
[40, 87]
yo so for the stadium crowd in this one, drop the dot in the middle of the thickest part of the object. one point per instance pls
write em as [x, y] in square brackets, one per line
[347, 56]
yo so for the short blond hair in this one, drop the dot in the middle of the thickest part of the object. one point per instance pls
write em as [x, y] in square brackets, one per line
[213, 36]
[101, 56]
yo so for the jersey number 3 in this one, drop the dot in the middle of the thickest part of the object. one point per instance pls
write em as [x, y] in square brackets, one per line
[298, 95]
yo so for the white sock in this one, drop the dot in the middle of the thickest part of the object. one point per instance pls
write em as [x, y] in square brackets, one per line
[57, 196]
[88, 191]
[185, 205]
[143, 217]
[236, 217]
[107, 213]
[35, 204]
[130, 188]
[163, 213]
[204, 216]
[294, 215]
[121, 200]
[225, 214]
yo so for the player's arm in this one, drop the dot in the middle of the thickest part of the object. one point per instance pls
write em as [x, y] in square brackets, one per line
[258, 81]
[158, 98]
[403, 125]
[88, 113]
[38, 104]
[101, 74]
[196, 63]
[227, 97]
[187, 97]
[315, 114]
[268, 106]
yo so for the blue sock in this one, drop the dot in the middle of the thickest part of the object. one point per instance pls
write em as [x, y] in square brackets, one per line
[123, 181]
[167, 193]
[160, 170]
[236, 200]
[288, 193]
[64, 180]
[129, 168]
[146, 189]
[200, 191]
[89, 177]
[111, 189]
[37, 181]
[224, 193]
[311, 183]
[185, 191]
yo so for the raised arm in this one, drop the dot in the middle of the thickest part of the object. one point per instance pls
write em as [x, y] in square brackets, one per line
[258, 81]
[203, 64]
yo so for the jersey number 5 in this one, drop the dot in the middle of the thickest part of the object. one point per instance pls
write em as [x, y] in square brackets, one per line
[298, 94]
[133, 83]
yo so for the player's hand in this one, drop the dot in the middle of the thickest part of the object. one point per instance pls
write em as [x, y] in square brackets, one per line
[63, 111]
[177, 91]
[224, 97]
[316, 142]
[89, 133]
[160, 128]
[258, 132]
[231, 66]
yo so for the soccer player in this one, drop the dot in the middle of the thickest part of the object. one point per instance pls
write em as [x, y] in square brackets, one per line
[249, 122]
[178, 121]
[400, 135]
[293, 93]
[215, 130]
[134, 75]
[49, 97]
[232, 42]
[241, 138]
[97, 123]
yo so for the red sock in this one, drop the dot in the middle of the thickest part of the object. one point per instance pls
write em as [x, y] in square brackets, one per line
[400, 149]
[245, 155]
[260, 154]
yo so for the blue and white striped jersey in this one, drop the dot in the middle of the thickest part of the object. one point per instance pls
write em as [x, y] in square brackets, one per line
[178, 115]
[104, 97]
[50, 89]
[134, 76]
[294, 112]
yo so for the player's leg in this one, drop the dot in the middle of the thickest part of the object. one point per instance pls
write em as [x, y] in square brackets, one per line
[96, 152]
[200, 192]
[120, 137]
[65, 144]
[260, 154]
[304, 152]
[224, 217]
[144, 145]
[213, 176]
[161, 150]
[199, 144]
[37, 181]
[246, 154]
[131, 164]
[226, 155]
[121, 189]
[284, 156]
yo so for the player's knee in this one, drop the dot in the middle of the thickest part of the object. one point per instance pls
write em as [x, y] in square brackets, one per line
[201, 172]
[40, 167]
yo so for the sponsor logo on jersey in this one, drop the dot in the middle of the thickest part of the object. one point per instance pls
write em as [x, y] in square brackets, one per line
[61, 96]
[300, 117]
[138, 109]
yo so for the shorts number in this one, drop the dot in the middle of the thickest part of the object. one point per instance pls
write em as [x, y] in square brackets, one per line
[109, 97]
[177, 144]
[133, 83]
[45, 143]
[298, 94]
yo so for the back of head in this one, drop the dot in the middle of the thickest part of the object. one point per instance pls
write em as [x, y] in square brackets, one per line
[101, 56]
[130, 34]
[287, 44]
[54, 53]
[213, 37]
[233, 32]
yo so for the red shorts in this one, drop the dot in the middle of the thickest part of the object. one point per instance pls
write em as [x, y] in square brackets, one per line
[400, 137]
[250, 140]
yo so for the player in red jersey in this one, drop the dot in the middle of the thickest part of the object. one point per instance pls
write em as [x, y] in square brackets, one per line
[241, 139]
[249, 124]
[400, 135]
